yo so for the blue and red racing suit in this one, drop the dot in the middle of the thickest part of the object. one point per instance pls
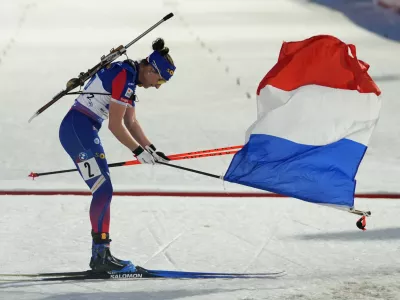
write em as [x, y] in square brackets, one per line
[79, 133]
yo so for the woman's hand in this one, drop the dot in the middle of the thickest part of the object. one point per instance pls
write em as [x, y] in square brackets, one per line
[143, 156]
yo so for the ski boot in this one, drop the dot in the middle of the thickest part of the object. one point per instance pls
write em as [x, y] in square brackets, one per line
[103, 261]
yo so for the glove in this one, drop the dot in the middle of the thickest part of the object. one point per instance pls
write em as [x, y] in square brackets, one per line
[143, 156]
[158, 155]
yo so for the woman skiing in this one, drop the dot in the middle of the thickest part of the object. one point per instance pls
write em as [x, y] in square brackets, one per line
[110, 94]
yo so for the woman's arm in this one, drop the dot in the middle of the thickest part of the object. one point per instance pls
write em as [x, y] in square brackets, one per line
[117, 127]
[134, 127]
[137, 132]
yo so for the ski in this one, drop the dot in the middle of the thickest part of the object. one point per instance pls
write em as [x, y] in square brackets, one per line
[141, 273]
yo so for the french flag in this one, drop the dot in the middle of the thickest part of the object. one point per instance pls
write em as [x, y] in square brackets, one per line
[316, 110]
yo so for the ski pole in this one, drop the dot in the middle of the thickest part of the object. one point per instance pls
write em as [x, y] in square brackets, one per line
[134, 162]
[200, 155]
[105, 60]
[187, 155]
[179, 157]
[191, 170]
[207, 151]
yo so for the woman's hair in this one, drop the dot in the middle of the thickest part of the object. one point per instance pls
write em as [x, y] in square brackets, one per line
[158, 45]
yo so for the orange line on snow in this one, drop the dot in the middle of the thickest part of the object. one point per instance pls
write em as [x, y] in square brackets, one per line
[177, 194]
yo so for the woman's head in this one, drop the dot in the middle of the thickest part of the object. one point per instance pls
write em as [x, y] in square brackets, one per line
[158, 67]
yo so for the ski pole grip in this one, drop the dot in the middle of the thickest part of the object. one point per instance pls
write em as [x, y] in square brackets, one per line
[169, 16]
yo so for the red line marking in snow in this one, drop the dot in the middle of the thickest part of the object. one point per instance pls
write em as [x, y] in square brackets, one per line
[177, 194]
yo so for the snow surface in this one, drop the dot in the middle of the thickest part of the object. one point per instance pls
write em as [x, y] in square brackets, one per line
[222, 50]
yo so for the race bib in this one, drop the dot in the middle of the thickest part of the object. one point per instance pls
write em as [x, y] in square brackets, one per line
[89, 169]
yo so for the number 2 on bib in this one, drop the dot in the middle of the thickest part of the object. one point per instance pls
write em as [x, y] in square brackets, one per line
[89, 169]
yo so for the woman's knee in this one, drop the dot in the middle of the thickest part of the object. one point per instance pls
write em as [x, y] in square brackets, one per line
[103, 187]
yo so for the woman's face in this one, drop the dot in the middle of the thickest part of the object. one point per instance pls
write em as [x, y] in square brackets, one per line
[151, 77]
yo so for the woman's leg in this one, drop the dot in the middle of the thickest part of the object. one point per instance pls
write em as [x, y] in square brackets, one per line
[80, 139]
